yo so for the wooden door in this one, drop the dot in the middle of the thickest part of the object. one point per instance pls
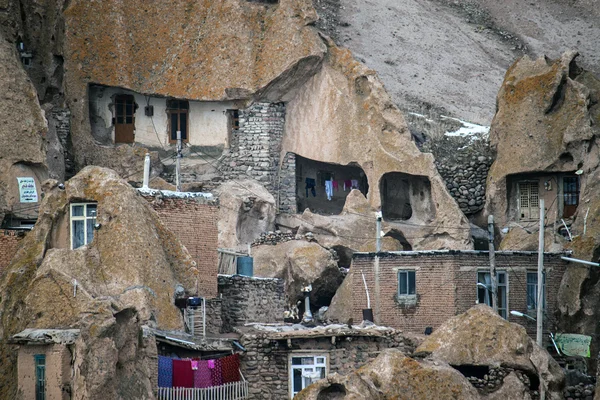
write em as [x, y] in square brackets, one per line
[124, 118]
[529, 201]
[570, 195]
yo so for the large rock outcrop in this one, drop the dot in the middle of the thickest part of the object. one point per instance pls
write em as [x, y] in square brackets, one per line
[246, 209]
[213, 51]
[22, 131]
[343, 115]
[128, 275]
[480, 337]
[547, 121]
[300, 264]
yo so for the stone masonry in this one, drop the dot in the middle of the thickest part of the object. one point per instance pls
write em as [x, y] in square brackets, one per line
[265, 364]
[245, 299]
[287, 185]
[463, 163]
[256, 145]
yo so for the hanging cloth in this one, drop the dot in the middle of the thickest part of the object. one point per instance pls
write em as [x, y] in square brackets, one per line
[183, 376]
[336, 186]
[217, 373]
[347, 184]
[202, 376]
[165, 371]
[329, 189]
[231, 368]
[354, 184]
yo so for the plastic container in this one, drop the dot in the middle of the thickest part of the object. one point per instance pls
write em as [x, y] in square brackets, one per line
[245, 266]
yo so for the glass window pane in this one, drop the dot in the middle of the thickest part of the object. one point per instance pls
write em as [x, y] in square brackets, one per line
[411, 282]
[322, 372]
[297, 380]
[501, 278]
[308, 360]
[183, 125]
[174, 126]
[532, 277]
[77, 211]
[296, 361]
[320, 360]
[89, 231]
[402, 284]
[77, 231]
[91, 210]
[129, 108]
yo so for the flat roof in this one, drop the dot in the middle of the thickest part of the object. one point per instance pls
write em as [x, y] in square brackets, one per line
[281, 331]
[417, 253]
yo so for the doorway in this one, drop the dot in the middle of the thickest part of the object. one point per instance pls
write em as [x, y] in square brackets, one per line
[124, 118]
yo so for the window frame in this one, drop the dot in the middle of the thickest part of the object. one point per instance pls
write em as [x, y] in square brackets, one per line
[179, 110]
[502, 311]
[40, 376]
[407, 295]
[535, 285]
[83, 218]
[305, 354]
[530, 183]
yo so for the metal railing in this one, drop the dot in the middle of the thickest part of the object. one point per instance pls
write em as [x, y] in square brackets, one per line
[228, 391]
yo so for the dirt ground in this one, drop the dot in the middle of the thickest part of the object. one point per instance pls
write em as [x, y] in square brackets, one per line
[449, 57]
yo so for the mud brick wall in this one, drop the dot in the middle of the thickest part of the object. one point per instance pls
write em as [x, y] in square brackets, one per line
[246, 299]
[194, 223]
[9, 243]
[446, 285]
[265, 364]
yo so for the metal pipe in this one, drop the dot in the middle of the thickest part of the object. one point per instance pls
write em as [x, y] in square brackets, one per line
[576, 260]
[146, 171]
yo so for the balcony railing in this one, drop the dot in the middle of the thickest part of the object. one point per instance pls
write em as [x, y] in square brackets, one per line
[228, 391]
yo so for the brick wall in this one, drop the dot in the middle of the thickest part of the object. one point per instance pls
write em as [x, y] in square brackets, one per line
[446, 285]
[194, 222]
[9, 243]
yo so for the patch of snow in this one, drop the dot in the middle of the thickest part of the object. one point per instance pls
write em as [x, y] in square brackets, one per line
[421, 116]
[467, 129]
[175, 195]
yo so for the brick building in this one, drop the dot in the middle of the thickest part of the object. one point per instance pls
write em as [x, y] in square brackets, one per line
[193, 219]
[420, 289]
[9, 243]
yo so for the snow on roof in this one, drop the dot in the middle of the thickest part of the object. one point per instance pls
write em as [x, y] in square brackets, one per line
[46, 336]
[289, 331]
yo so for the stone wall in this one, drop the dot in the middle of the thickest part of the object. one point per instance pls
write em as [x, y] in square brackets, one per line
[246, 299]
[9, 242]
[214, 320]
[256, 146]
[287, 202]
[463, 163]
[194, 223]
[265, 363]
[60, 119]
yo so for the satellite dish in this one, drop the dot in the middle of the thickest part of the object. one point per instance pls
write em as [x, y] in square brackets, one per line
[579, 172]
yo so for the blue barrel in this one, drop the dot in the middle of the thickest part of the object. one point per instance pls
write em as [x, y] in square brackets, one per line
[245, 266]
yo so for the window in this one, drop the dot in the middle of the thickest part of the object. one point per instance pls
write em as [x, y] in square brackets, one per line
[306, 369]
[570, 195]
[407, 283]
[532, 288]
[178, 119]
[40, 377]
[83, 219]
[484, 290]
[529, 200]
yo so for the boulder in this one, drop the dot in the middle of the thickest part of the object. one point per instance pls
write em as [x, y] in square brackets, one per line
[22, 135]
[392, 375]
[246, 210]
[480, 337]
[300, 263]
[133, 263]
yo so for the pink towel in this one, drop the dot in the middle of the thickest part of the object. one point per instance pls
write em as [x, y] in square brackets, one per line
[335, 185]
[211, 364]
[202, 376]
[194, 365]
[347, 184]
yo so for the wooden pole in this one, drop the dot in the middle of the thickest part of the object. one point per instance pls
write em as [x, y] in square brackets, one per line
[540, 279]
[492, 263]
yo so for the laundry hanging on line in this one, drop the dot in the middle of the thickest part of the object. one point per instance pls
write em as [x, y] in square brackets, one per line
[196, 373]
[329, 189]
[311, 184]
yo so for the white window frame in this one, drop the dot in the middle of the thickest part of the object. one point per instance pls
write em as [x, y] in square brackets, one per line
[83, 218]
[507, 285]
[302, 354]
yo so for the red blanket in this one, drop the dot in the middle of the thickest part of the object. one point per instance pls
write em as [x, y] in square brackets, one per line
[231, 368]
[183, 376]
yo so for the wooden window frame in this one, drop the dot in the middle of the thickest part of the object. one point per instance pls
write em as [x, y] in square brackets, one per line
[178, 111]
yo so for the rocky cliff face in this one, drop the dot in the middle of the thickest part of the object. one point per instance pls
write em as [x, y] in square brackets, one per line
[22, 133]
[127, 276]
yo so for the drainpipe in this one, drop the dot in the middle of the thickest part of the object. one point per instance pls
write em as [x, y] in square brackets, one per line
[146, 171]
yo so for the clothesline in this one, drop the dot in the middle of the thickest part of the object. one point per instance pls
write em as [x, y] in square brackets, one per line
[330, 186]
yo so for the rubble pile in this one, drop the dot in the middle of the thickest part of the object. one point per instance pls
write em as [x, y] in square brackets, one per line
[579, 391]
[494, 380]
[273, 237]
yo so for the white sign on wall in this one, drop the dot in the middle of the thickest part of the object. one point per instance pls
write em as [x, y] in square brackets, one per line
[27, 191]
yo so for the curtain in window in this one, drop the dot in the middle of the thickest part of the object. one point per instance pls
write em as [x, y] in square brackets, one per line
[78, 230]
